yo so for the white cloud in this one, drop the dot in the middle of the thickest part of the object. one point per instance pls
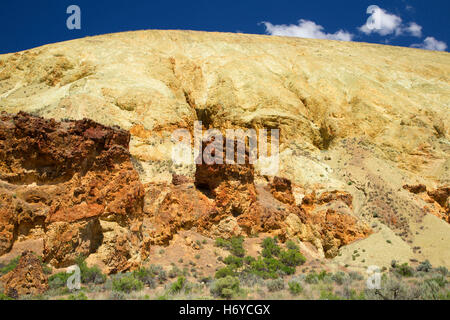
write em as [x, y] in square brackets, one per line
[414, 29]
[430, 43]
[306, 29]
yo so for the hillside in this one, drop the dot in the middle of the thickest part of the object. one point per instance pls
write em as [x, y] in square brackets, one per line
[364, 148]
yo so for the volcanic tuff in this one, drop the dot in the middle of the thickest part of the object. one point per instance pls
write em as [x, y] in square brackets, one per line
[357, 122]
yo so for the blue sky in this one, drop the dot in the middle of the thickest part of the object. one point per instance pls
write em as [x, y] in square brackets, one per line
[425, 24]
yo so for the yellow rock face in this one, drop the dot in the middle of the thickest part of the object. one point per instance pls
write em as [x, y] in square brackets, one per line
[361, 117]
[315, 91]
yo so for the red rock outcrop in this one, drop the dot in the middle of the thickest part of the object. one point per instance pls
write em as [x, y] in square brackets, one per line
[231, 185]
[221, 199]
[60, 180]
[170, 208]
[415, 188]
[28, 278]
[437, 200]
[282, 190]
[178, 179]
[440, 195]
[440, 203]
[324, 220]
[328, 219]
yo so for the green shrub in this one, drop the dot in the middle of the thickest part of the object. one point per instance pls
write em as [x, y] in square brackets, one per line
[10, 266]
[272, 264]
[174, 272]
[47, 269]
[312, 278]
[224, 272]
[339, 277]
[79, 296]
[249, 259]
[162, 276]
[329, 295]
[225, 287]
[222, 243]
[90, 274]
[270, 248]
[404, 270]
[235, 245]
[155, 269]
[146, 276]
[295, 288]
[351, 294]
[233, 261]
[127, 283]
[58, 280]
[323, 275]
[273, 261]
[392, 288]
[178, 285]
[424, 266]
[116, 295]
[429, 290]
[444, 296]
[265, 268]
[442, 270]
[291, 245]
[286, 270]
[249, 279]
[292, 258]
[439, 280]
[355, 276]
[275, 285]
[4, 297]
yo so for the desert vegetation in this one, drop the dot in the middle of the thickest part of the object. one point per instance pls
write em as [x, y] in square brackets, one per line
[279, 271]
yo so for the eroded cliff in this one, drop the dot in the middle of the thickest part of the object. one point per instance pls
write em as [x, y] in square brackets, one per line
[357, 121]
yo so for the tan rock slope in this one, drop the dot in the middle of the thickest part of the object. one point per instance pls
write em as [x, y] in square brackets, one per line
[359, 118]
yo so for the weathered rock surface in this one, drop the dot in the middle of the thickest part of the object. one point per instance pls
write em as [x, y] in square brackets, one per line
[331, 214]
[28, 278]
[360, 118]
[281, 189]
[62, 181]
[317, 92]
[437, 201]
[225, 200]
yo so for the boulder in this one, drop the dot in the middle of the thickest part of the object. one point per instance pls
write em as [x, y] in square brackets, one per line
[28, 278]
